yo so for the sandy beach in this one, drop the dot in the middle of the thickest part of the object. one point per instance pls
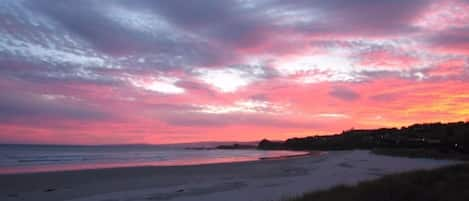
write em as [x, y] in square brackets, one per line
[257, 180]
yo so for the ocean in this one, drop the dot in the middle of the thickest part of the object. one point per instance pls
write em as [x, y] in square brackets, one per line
[45, 158]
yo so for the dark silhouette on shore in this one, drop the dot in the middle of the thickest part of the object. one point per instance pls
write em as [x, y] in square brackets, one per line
[236, 146]
[449, 137]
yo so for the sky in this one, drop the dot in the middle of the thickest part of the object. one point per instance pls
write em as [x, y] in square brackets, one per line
[170, 71]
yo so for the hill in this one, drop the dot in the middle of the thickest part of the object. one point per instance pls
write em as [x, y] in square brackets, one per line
[444, 137]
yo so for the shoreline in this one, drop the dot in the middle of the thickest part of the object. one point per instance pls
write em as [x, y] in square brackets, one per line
[87, 167]
[309, 153]
[253, 180]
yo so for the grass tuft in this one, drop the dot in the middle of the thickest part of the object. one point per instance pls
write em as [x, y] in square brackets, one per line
[444, 184]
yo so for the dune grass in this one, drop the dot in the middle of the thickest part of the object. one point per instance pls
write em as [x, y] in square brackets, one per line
[444, 184]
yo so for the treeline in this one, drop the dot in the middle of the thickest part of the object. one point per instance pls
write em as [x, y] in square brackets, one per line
[445, 137]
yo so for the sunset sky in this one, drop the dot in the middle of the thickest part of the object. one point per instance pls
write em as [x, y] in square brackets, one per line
[147, 71]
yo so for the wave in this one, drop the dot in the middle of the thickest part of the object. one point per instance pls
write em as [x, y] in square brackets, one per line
[53, 158]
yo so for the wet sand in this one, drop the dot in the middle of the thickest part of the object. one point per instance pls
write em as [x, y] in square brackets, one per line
[257, 180]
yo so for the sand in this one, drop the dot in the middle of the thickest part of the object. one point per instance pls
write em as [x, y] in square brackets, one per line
[257, 180]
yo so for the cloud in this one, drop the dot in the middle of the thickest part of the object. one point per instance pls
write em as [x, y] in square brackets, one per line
[111, 37]
[386, 59]
[247, 106]
[443, 15]
[455, 40]
[30, 108]
[230, 79]
[376, 18]
[344, 93]
[165, 85]
[227, 22]
[386, 97]
[231, 69]
[225, 120]
[332, 115]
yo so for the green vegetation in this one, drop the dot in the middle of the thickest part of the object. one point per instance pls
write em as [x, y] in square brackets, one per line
[445, 184]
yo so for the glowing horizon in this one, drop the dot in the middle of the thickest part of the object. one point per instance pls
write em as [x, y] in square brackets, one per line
[155, 72]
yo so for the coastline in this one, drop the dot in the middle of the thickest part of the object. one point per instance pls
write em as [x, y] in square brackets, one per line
[253, 180]
[309, 153]
[81, 160]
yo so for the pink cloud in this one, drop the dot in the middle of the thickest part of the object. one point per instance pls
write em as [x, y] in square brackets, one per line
[389, 59]
[227, 70]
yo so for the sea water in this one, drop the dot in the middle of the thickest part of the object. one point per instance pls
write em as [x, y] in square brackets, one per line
[43, 158]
